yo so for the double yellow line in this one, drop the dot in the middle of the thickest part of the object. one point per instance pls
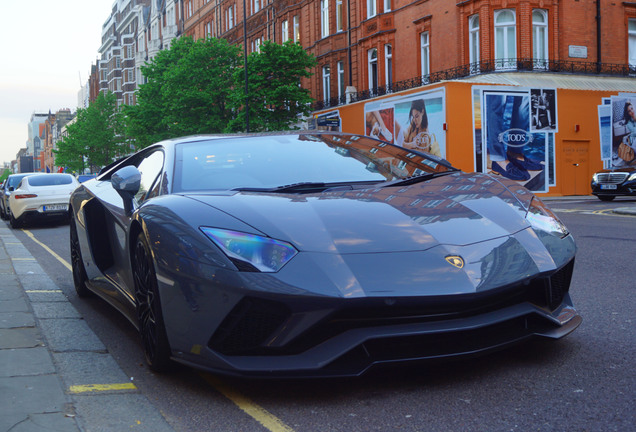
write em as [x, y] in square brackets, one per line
[261, 415]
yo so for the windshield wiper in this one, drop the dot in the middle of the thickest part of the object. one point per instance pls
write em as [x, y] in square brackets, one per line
[418, 178]
[308, 187]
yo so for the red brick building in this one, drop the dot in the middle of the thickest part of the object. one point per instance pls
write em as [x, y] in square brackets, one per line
[376, 45]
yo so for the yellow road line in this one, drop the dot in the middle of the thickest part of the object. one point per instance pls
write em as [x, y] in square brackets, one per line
[100, 387]
[49, 250]
[259, 414]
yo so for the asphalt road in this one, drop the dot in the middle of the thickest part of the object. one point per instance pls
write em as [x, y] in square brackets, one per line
[585, 382]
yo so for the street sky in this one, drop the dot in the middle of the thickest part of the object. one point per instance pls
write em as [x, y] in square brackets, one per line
[46, 51]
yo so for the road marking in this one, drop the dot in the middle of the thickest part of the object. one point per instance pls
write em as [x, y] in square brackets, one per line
[49, 250]
[22, 259]
[259, 414]
[88, 388]
[42, 291]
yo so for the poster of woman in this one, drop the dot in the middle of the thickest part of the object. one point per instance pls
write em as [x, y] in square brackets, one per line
[623, 131]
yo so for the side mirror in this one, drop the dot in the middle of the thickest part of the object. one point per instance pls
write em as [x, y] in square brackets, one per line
[11, 188]
[126, 181]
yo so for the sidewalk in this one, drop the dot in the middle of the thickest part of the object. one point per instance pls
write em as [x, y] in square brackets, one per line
[55, 374]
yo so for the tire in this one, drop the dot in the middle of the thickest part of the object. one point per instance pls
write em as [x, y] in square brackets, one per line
[606, 197]
[3, 215]
[15, 223]
[151, 325]
[77, 263]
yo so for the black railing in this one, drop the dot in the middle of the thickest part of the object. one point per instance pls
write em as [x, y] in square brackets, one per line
[483, 67]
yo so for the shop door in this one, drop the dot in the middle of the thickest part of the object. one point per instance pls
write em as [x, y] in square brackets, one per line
[575, 167]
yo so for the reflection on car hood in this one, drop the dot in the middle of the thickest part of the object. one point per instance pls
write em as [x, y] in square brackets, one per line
[457, 209]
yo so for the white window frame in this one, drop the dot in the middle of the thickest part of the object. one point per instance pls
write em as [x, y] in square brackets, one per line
[341, 79]
[540, 54]
[473, 43]
[284, 30]
[372, 8]
[326, 83]
[425, 55]
[230, 17]
[631, 41]
[256, 6]
[296, 29]
[372, 62]
[339, 16]
[388, 66]
[387, 5]
[505, 34]
[324, 18]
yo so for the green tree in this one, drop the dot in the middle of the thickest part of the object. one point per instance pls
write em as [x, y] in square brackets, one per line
[276, 99]
[187, 91]
[95, 139]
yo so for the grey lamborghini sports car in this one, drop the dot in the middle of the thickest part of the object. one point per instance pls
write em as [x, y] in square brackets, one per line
[317, 254]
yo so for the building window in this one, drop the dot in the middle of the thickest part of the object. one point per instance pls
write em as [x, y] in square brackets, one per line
[341, 79]
[425, 49]
[388, 66]
[339, 16]
[540, 38]
[387, 5]
[296, 29]
[256, 6]
[632, 42]
[284, 31]
[473, 46]
[371, 8]
[372, 55]
[324, 18]
[326, 82]
[505, 39]
[230, 17]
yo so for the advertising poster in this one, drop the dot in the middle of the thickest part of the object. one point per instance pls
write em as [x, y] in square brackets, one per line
[623, 131]
[415, 121]
[513, 150]
[543, 114]
[551, 159]
[605, 131]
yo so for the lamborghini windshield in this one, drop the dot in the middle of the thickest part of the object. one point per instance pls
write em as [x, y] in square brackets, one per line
[276, 162]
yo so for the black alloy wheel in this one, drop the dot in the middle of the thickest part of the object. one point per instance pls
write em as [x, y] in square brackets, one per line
[151, 325]
[15, 224]
[77, 264]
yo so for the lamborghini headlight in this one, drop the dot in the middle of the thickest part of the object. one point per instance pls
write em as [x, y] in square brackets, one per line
[263, 253]
[543, 219]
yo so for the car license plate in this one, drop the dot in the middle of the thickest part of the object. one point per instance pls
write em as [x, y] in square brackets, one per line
[55, 207]
[609, 186]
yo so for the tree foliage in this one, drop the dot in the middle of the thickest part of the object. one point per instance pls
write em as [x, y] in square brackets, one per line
[276, 99]
[187, 92]
[95, 138]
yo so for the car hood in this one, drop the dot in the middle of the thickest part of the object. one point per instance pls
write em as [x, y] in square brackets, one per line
[456, 209]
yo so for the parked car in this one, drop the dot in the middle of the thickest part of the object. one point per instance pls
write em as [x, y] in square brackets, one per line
[317, 254]
[609, 183]
[41, 196]
[7, 189]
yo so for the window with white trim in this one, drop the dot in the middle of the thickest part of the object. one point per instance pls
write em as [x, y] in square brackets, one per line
[324, 18]
[473, 45]
[339, 16]
[540, 38]
[505, 39]
[388, 65]
[230, 17]
[425, 54]
[326, 82]
[284, 31]
[372, 9]
[372, 56]
[296, 29]
[387, 5]
[631, 34]
[341, 79]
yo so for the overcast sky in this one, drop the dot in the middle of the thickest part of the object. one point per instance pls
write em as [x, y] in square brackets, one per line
[46, 51]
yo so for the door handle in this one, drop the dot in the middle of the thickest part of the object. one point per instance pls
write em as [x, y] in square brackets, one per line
[575, 164]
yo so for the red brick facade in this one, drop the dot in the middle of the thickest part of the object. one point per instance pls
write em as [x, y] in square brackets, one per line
[571, 33]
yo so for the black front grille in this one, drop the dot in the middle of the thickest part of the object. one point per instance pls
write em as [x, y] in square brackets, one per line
[248, 326]
[612, 178]
[559, 285]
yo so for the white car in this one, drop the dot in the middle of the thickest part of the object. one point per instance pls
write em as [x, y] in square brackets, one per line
[41, 196]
